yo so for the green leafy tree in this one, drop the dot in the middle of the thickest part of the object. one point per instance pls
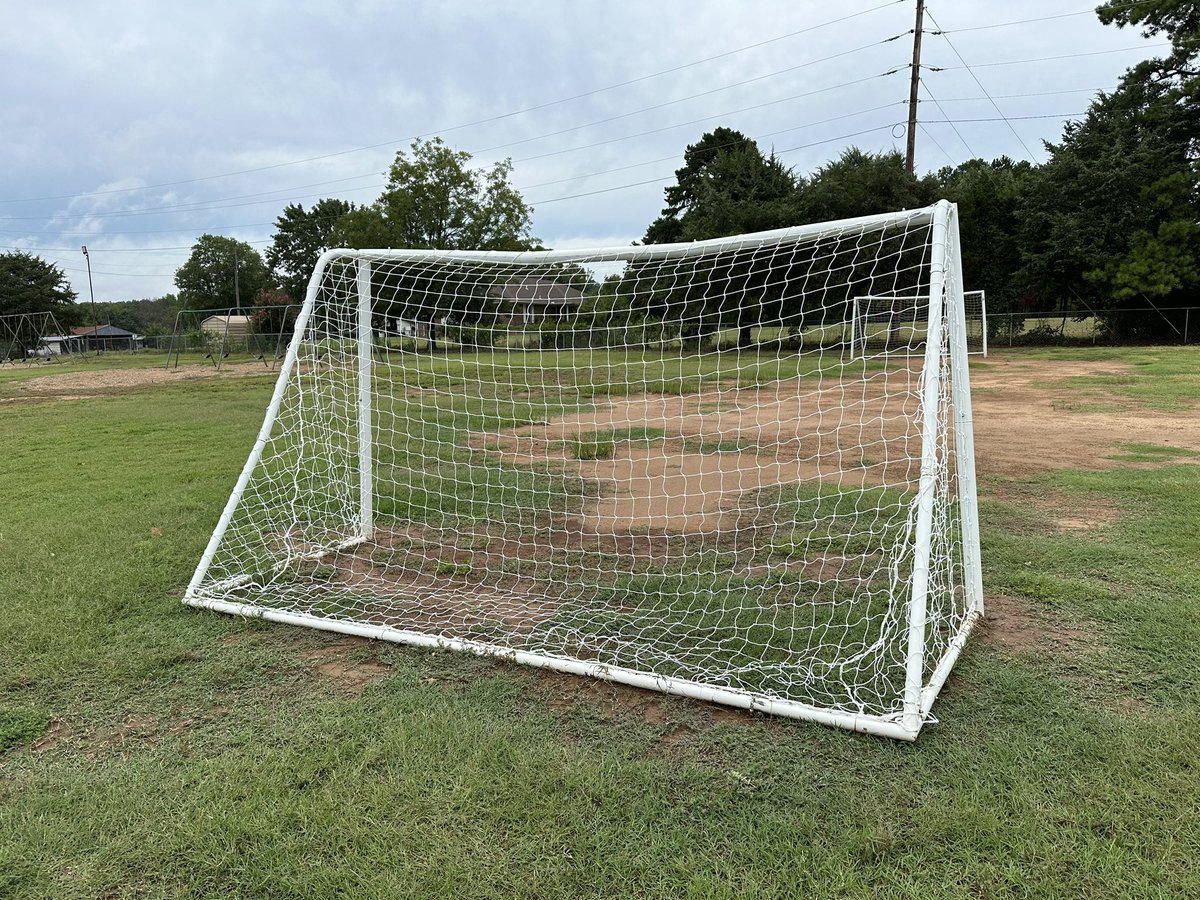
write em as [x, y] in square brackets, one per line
[988, 196]
[151, 316]
[725, 187]
[30, 284]
[300, 237]
[860, 183]
[1179, 20]
[208, 281]
[1111, 220]
[435, 199]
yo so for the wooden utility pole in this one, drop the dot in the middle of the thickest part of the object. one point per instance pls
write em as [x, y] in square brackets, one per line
[910, 155]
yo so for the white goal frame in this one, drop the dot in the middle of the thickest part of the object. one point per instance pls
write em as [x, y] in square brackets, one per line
[861, 313]
[944, 425]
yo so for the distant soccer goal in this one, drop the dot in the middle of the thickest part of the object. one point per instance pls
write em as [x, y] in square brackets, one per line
[898, 322]
[538, 456]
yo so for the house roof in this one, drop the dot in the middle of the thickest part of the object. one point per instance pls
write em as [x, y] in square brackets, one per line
[102, 331]
[535, 289]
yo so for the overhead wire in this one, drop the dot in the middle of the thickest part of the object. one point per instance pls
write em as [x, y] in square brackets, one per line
[946, 118]
[995, 105]
[203, 206]
[477, 122]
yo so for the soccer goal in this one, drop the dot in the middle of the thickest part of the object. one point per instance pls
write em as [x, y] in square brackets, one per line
[543, 456]
[900, 323]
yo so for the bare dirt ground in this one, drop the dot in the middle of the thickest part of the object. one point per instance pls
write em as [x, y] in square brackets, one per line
[1022, 427]
[84, 385]
[721, 444]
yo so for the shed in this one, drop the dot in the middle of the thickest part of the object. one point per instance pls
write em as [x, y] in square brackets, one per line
[227, 326]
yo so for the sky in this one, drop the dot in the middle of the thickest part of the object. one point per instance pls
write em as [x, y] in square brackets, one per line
[135, 126]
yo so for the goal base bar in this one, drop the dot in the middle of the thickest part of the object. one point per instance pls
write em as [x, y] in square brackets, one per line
[680, 687]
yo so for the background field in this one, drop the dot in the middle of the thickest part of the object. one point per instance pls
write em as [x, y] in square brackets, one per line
[150, 750]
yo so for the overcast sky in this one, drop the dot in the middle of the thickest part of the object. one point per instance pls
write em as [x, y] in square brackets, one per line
[135, 127]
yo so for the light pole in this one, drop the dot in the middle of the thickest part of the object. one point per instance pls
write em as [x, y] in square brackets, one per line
[92, 293]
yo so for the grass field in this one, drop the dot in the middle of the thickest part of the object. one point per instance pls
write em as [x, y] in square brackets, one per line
[147, 749]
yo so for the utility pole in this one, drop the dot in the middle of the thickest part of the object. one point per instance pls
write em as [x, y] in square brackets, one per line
[237, 297]
[910, 155]
[95, 318]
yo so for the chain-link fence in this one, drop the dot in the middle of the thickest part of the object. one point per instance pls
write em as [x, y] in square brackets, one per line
[1176, 324]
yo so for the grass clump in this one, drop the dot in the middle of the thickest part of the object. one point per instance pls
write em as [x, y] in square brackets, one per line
[19, 727]
[604, 444]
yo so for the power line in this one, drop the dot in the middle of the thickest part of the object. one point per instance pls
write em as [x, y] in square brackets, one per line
[1082, 12]
[936, 142]
[995, 105]
[946, 118]
[1032, 94]
[540, 156]
[198, 206]
[839, 118]
[704, 118]
[201, 205]
[1015, 62]
[484, 121]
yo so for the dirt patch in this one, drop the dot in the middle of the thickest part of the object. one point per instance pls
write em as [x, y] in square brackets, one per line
[721, 444]
[616, 701]
[134, 727]
[1021, 427]
[350, 675]
[1068, 512]
[433, 583]
[58, 732]
[85, 385]
[1013, 624]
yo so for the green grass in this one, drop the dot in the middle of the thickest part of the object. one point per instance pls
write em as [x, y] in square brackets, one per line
[194, 755]
[1142, 452]
[604, 444]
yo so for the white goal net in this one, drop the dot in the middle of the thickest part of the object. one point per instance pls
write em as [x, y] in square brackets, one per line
[669, 466]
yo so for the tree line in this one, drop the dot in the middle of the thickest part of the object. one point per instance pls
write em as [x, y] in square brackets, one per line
[1109, 222]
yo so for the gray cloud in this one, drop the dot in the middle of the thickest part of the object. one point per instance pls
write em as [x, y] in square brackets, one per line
[223, 112]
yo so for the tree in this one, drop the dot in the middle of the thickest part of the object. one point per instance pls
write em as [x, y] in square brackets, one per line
[988, 196]
[221, 273]
[724, 187]
[276, 314]
[1179, 20]
[300, 237]
[1112, 218]
[437, 200]
[150, 316]
[29, 284]
[860, 183]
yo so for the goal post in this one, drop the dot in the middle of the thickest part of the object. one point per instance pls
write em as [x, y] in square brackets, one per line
[898, 321]
[552, 457]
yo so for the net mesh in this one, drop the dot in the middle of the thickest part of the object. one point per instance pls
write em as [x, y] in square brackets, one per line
[673, 461]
